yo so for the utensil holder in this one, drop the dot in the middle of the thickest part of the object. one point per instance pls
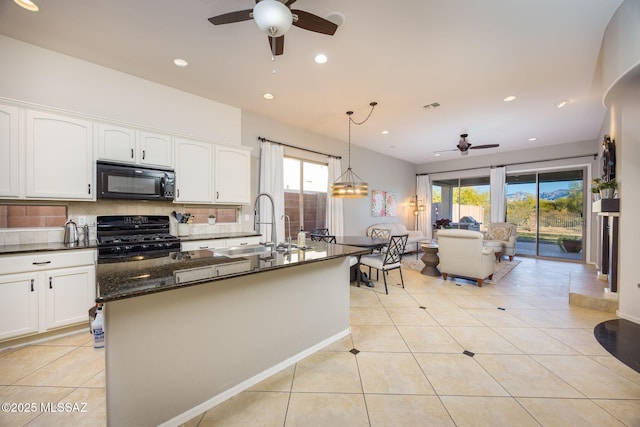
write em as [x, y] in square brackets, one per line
[183, 229]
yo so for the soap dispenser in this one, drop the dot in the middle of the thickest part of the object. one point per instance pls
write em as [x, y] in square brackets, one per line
[301, 237]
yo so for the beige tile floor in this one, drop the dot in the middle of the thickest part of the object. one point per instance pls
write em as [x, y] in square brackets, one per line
[536, 363]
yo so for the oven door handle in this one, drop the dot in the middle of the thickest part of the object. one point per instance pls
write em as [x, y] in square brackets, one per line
[162, 186]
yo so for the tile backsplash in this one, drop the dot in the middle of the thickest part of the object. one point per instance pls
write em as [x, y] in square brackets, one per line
[91, 210]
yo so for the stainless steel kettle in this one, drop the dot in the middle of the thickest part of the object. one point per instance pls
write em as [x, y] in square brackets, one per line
[71, 232]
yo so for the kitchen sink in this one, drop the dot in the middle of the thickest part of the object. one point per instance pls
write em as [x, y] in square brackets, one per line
[242, 251]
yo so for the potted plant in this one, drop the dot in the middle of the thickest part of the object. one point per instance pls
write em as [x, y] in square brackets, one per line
[212, 219]
[572, 244]
[605, 188]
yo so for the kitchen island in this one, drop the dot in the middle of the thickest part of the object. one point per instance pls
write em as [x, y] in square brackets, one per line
[189, 330]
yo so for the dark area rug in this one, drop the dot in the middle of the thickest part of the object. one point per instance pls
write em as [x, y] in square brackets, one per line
[621, 338]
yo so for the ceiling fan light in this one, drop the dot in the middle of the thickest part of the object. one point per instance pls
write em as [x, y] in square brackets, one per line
[272, 17]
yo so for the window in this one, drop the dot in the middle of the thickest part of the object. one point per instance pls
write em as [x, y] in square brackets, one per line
[465, 202]
[305, 194]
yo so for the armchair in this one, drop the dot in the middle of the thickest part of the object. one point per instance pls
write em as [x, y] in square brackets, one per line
[462, 253]
[504, 233]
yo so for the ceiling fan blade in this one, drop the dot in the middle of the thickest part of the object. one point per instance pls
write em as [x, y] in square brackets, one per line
[278, 49]
[445, 151]
[311, 22]
[475, 147]
[289, 2]
[231, 17]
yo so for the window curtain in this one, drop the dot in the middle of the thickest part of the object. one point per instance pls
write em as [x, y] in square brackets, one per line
[335, 213]
[423, 190]
[498, 178]
[271, 182]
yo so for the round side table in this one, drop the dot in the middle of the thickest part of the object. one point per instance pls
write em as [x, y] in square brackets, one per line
[430, 259]
[497, 248]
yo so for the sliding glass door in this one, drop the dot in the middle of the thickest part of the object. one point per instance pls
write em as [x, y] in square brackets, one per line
[548, 208]
[464, 201]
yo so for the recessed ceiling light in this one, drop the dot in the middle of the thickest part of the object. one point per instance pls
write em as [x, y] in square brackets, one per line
[181, 62]
[321, 58]
[533, 139]
[562, 103]
[27, 4]
[437, 154]
[267, 95]
[509, 98]
[385, 132]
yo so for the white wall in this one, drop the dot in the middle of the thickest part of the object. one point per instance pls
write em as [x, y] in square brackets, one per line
[43, 77]
[621, 68]
[379, 171]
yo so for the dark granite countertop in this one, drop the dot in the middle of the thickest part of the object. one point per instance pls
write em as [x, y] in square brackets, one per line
[229, 235]
[44, 247]
[143, 276]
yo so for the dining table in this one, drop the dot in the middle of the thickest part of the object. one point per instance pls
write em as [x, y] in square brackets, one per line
[361, 242]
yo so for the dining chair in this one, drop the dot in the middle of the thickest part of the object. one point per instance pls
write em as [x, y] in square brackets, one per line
[380, 233]
[389, 260]
[317, 233]
[325, 238]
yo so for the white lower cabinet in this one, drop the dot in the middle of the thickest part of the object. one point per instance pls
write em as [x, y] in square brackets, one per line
[70, 294]
[18, 305]
[45, 291]
[195, 245]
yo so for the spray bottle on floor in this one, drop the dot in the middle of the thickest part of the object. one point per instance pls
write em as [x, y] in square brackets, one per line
[97, 329]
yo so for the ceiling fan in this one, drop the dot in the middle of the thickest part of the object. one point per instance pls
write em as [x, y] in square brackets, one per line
[464, 146]
[275, 17]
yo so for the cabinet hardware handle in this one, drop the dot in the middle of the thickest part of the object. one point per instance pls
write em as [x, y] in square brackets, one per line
[217, 195]
[178, 193]
[143, 154]
[132, 153]
[42, 263]
[89, 185]
[50, 282]
[204, 247]
[242, 244]
[31, 285]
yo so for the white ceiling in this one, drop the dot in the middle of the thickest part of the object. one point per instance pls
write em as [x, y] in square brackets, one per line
[466, 55]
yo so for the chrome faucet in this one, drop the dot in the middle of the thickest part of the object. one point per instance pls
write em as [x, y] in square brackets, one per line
[256, 219]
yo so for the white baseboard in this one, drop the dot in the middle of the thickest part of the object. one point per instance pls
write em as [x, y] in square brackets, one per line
[250, 382]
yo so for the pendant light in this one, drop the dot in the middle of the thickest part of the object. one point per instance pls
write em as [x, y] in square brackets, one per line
[349, 185]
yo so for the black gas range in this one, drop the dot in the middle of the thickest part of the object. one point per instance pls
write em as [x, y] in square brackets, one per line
[122, 237]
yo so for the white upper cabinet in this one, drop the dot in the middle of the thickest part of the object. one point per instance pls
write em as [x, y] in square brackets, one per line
[122, 144]
[116, 143]
[9, 151]
[194, 171]
[156, 149]
[232, 175]
[59, 157]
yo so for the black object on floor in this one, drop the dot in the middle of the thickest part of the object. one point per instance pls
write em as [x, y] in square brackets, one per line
[620, 337]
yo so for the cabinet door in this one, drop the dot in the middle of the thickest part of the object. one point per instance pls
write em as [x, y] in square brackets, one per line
[156, 149]
[232, 175]
[9, 146]
[59, 160]
[116, 143]
[194, 172]
[70, 294]
[18, 305]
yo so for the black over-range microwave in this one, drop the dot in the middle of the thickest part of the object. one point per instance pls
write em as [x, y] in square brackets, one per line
[122, 181]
